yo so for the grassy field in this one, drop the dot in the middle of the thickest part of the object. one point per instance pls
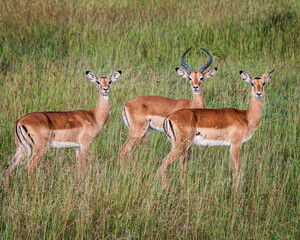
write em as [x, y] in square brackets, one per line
[45, 48]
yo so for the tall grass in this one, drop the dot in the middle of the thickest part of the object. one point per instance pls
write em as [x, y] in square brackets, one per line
[45, 49]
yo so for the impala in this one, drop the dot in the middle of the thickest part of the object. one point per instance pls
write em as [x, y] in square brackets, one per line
[143, 114]
[212, 127]
[36, 132]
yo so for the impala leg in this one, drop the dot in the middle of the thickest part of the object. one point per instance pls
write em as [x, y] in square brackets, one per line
[82, 160]
[127, 147]
[183, 164]
[78, 160]
[139, 143]
[19, 157]
[168, 160]
[235, 150]
[77, 151]
[36, 157]
[133, 142]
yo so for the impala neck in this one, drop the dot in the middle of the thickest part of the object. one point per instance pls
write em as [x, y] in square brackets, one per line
[102, 108]
[198, 100]
[254, 112]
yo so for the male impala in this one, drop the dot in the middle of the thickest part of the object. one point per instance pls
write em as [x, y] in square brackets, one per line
[36, 132]
[143, 114]
[212, 127]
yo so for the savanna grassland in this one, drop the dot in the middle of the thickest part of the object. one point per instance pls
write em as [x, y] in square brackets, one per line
[45, 48]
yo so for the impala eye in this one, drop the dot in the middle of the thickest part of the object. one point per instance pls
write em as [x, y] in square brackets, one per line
[190, 78]
[201, 78]
[98, 82]
[263, 84]
[252, 83]
[109, 82]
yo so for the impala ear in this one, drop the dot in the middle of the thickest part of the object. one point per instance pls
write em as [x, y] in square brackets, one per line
[246, 77]
[210, 73]
[268, 76]
[115, 76]
[92, 77]
[182, 73]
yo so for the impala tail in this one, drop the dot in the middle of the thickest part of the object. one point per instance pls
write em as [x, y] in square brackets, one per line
[169, 130]
[124, 114]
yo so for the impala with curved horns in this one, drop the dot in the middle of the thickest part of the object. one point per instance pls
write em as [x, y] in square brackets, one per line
[213, 127]
[143, 114]
[36, 132]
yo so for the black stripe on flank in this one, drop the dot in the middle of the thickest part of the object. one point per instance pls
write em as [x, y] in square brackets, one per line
[23, 126]
[172, 130]
[31, 138]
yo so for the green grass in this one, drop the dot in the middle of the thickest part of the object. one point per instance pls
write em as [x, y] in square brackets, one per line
[45, 49]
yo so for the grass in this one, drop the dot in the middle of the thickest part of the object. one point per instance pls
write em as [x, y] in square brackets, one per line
[45, 49]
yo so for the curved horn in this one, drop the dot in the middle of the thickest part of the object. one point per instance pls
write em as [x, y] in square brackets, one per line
[187, 67]
[206, 65]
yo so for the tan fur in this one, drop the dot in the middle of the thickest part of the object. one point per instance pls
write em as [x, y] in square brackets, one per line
[226, 126]
[145, 113]
[39, 131]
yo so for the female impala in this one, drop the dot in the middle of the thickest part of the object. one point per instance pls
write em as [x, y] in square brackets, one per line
[212, 127]
[143, 114]
[36, 132]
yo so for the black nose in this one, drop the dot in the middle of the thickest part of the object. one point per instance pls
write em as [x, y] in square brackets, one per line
[105, 89]
[258, 94]
[195, 87]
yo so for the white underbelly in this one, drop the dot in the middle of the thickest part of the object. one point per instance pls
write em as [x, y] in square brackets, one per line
[64, 144]
[209, 143]
[158, 128]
